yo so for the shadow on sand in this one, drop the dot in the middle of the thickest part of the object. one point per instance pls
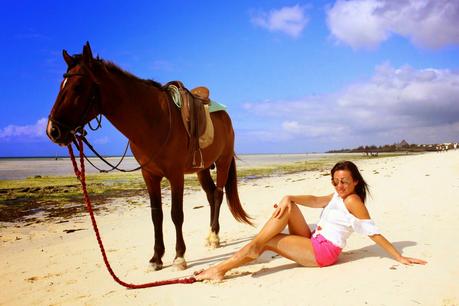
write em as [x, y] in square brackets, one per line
[217, 258]
[345, 257]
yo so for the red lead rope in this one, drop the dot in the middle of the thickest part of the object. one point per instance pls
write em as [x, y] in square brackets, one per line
[80, 174]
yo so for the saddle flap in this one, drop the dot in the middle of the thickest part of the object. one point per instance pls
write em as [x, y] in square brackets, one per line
[194, 108]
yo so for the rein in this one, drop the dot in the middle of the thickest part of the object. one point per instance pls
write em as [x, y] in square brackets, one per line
[113, 167]
[81, 176]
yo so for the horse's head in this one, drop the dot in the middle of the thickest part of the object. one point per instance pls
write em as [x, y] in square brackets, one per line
[78, 100]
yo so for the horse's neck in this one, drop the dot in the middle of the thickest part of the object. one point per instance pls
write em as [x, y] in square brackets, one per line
[135, 109]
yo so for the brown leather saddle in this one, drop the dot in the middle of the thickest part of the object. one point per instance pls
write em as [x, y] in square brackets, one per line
[195, 117]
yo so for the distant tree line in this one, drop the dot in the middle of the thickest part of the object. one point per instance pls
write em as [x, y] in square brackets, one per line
[403, 146]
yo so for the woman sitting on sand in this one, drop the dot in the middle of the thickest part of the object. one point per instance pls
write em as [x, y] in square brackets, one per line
[344, 212]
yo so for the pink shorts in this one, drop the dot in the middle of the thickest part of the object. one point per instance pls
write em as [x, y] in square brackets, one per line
[326, 253]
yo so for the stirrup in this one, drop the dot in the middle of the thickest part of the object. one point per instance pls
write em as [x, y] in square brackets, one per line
[201, 165]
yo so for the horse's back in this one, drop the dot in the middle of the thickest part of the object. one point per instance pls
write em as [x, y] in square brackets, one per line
[221, 119]
[223, 129]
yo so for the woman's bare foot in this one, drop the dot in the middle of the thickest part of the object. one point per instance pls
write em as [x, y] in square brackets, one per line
[211, 273]
[216, 273]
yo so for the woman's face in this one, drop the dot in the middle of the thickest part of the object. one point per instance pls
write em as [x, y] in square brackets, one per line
[343, 182]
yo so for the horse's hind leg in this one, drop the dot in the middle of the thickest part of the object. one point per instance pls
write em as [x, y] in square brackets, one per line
[154, 189]
[214, 197]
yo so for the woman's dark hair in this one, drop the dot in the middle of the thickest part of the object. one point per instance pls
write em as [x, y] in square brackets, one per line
[362, 187]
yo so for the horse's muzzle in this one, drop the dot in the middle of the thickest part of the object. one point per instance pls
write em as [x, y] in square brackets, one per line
[58, 135]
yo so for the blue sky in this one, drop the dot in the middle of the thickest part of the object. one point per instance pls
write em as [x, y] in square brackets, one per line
[297, 76]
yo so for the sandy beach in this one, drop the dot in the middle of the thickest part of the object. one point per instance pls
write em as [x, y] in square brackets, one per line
[414, 201]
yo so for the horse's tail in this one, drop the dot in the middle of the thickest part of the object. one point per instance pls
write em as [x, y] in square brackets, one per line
[232, 196]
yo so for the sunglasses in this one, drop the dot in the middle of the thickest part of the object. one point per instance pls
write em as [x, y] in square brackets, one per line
[336, 182]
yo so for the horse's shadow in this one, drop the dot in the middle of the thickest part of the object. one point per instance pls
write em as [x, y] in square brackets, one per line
[217, 258]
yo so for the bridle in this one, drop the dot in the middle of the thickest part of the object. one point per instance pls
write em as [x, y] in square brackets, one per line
[94, 102]
[80, 132]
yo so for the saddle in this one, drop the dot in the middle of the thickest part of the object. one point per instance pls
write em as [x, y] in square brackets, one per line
[194, 108]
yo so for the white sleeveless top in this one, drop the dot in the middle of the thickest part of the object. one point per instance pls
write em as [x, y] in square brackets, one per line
[336, 223]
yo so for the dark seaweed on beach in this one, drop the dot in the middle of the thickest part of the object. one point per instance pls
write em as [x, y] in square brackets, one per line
[35, 204]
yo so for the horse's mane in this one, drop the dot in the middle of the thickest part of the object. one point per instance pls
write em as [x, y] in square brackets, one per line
[113, 68]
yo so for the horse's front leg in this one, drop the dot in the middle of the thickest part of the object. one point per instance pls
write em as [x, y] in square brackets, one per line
[177, 183]
[154, 189]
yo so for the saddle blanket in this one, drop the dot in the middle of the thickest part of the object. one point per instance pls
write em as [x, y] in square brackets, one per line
[215, 106]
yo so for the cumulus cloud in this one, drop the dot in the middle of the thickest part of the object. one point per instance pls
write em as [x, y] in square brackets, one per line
[290, 20]
[367, 23]
[28, 132]
[420, 105]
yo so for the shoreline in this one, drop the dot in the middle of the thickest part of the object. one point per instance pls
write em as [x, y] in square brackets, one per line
[54, 261]
[22, 168]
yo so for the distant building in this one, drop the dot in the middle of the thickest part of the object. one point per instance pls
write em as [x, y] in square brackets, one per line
[402, 144]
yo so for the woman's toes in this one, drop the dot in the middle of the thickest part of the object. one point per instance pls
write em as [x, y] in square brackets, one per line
[196, 273]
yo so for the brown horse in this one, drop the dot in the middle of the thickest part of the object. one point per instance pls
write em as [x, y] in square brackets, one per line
[144, 112]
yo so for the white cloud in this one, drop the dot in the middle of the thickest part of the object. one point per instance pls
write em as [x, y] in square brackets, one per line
[288, 20]
[311, 129]
[420, 105]
[28, 132]
[367, 23]
[408, 97]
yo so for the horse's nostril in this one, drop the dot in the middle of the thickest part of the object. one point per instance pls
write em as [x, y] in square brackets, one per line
[54, 133]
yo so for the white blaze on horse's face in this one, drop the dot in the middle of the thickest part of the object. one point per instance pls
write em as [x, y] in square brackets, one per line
[48, 128]
[63, 83]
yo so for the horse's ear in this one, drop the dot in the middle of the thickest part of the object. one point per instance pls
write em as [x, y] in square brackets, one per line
[87, 54]
[68, 59]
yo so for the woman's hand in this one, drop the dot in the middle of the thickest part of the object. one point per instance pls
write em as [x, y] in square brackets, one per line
[408, 260]
[283, 206]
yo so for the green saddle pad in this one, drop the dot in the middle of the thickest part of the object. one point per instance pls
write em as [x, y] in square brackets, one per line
[215, 106]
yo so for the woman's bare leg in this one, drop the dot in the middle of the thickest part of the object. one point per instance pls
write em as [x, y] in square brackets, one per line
[262, 241]
[297, 225]
[294, 247]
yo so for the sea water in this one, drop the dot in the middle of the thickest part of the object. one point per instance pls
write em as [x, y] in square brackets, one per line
[20, 168]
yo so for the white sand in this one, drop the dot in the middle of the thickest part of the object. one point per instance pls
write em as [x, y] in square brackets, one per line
[414, 202]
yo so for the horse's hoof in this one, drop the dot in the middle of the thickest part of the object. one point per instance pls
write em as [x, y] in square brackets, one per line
[156, 265]
[179, 264]
[213, 241]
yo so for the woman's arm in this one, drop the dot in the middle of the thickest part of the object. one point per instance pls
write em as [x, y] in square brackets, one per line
[392, 251]
[359, 210]
[309, 200]
[305, 200]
